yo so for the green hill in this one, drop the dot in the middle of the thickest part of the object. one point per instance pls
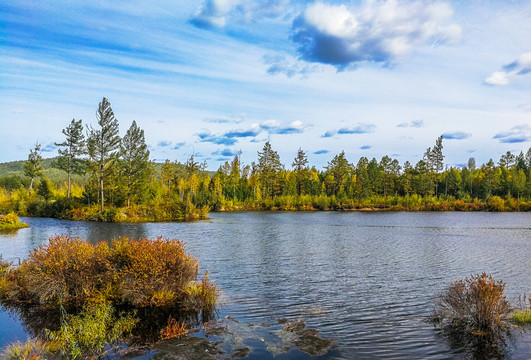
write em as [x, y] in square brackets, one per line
[15, 169]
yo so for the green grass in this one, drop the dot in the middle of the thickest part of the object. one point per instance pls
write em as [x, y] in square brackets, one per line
[522, 316]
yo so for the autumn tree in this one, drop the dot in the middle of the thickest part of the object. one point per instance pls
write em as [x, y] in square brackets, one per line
[72, 148]
[103, 146]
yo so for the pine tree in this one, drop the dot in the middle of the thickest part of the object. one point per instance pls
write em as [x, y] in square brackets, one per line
[74, 146]
[32, 168]
[300, 166]
[340, 169]
[269, 167]
[103, 146]
[135, 161]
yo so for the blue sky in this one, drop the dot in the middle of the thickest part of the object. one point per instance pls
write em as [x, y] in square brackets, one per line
[218, 77]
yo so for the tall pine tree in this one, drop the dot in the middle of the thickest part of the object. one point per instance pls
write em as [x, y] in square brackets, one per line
[74, 147]
[103, 145]
[135, 161]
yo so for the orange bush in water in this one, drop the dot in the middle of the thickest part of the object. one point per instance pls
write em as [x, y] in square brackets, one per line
[476, 304]
[134, 272]
[173, 330]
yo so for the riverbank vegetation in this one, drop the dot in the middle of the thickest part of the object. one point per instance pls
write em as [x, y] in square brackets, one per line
[108, 178]
[92, 295]
[10, 222]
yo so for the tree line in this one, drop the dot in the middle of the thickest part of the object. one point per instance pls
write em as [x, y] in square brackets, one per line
[122, 183]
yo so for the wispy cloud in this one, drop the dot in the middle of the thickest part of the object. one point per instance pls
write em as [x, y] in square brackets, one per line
[226, 152]
[413, 124]
[456, 135]
[48, 147]
[178, 145]
[229, 137]
[278, 64]
[275, 127]
[206, 136]
[253, 131]
[216, 13]
[164, 143]
[360, 128]
[320, 152]
[227, 120]
[375, 31]
[512, 71]
[517, 134]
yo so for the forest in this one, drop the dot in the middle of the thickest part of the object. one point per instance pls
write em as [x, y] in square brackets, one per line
[100, 176]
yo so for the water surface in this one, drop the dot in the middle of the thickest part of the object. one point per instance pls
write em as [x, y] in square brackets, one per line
[367, 280]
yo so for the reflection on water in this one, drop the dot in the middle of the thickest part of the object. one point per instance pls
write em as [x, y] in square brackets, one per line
[367, 280]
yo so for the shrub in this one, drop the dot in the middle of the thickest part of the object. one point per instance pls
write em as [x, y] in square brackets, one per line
[131, 272]
[476, 305]
[10, 221]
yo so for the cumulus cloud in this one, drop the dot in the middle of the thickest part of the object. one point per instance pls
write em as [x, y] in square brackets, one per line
[216, 13]
[512, 71]
[319, 152]
[275, 127]
[456, 135]
[413, 124]
[375, 31]
[517, 134]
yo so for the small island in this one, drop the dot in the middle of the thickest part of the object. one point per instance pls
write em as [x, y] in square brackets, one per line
[10, 222]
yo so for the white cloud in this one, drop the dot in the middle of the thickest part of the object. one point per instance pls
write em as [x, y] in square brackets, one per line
[498, 78]
[377, 31]
[215, 13]
[512, 71]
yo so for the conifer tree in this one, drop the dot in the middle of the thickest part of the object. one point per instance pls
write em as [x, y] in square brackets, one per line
[32, 168]
[103, 145]
[269, 167]
[300, 166]
[135, 161]
[74, 146]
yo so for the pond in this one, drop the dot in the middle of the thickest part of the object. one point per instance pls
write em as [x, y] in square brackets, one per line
[367, 280]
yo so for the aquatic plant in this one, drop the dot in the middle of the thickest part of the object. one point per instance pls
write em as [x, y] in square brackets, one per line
[141, 273]
[31, 349]
[174, 329]
[89, 331]
[475, 304]
[523, 314]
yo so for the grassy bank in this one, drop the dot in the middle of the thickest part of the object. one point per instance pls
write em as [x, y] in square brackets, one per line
[10, 222]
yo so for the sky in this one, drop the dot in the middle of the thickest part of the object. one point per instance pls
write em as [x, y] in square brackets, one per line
[217, 78]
